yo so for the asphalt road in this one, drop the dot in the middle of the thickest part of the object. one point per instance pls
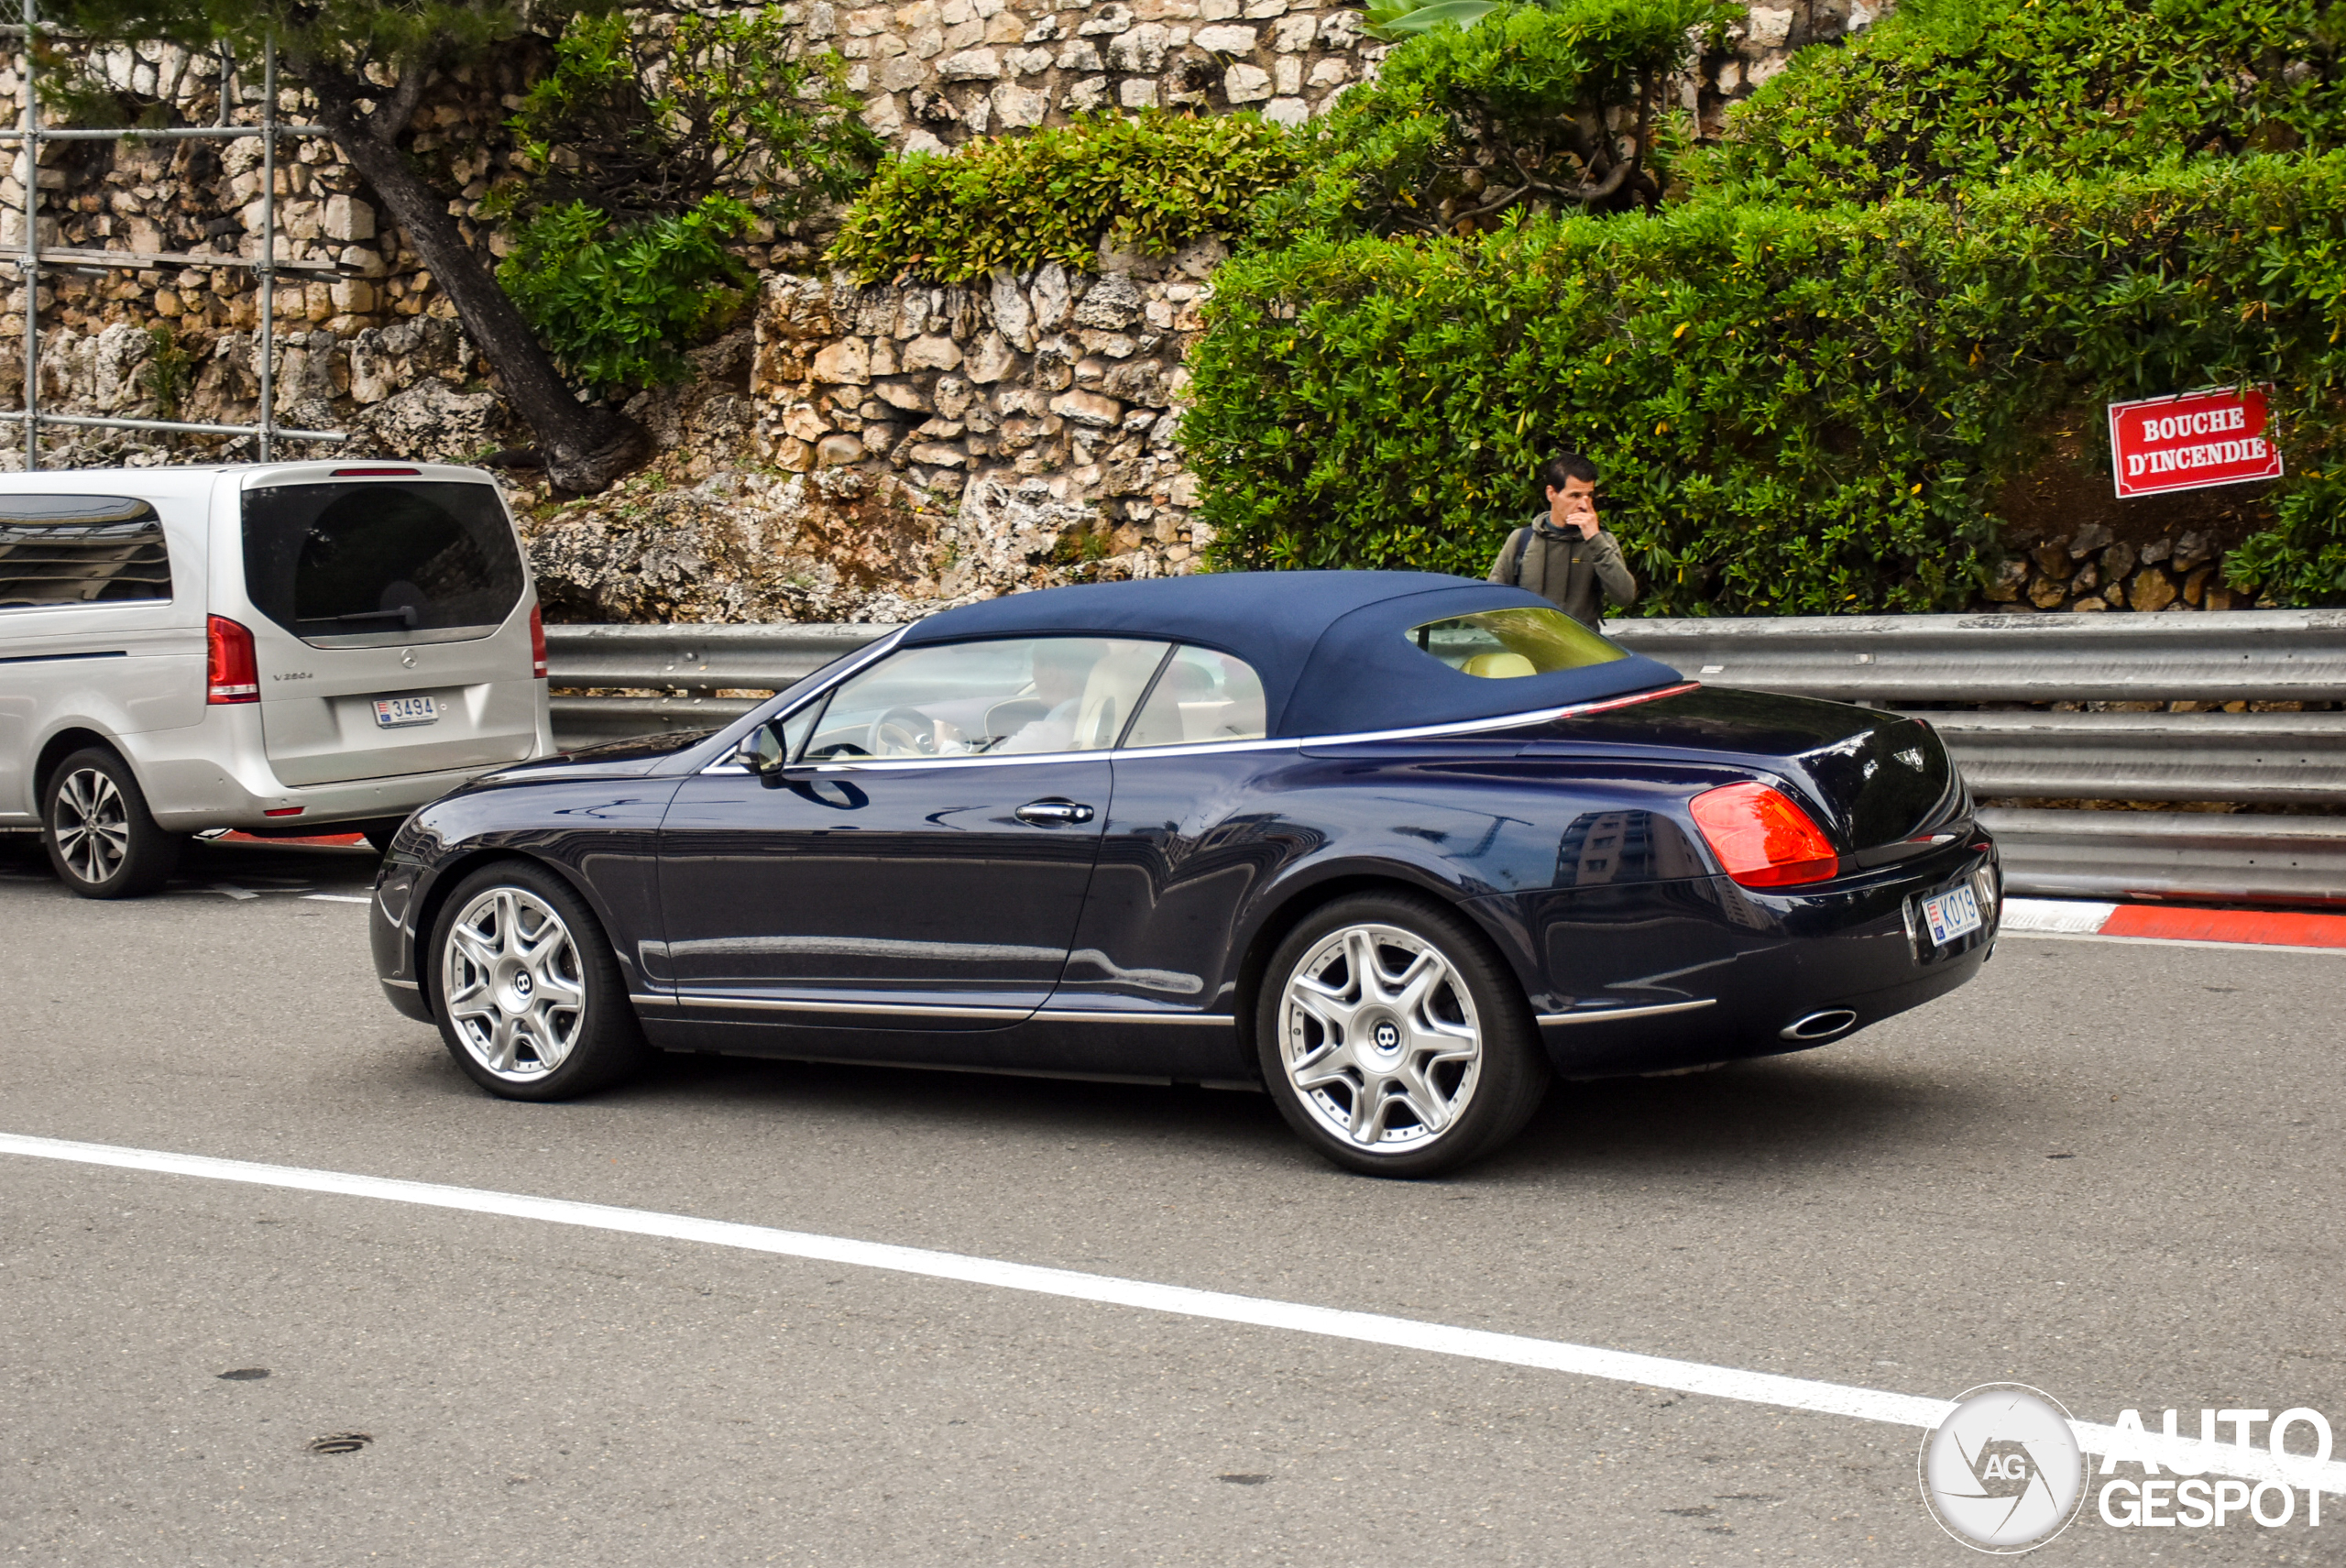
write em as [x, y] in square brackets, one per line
[2108, 1171]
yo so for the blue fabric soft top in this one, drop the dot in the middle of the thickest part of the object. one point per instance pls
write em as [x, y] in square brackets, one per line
[1333, 648]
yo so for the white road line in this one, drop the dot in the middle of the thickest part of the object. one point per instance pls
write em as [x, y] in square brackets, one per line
[337, 898]
[1368, 1328]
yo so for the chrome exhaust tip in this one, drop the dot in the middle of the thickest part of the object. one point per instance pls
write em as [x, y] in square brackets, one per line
[1818, 1026]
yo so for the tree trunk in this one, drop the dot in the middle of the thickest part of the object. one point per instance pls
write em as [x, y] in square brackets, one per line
[584, 447]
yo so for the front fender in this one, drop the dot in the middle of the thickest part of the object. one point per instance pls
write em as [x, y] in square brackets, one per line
[601, 834]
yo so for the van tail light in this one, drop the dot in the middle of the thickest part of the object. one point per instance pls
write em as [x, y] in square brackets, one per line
[537, 642]
[231, 670]
[1763, 839]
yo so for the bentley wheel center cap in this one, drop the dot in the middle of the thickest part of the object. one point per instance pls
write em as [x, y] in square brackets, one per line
[1387, 1036]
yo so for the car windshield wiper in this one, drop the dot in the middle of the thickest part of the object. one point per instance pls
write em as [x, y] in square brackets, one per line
[405, 614]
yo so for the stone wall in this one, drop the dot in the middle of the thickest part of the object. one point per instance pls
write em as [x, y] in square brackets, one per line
[902, 448]
[2089, 571]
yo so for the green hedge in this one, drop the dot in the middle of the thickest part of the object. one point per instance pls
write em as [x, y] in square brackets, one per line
[1972, 92]
[1152, 181]
[1462, 125]
[1797, 411]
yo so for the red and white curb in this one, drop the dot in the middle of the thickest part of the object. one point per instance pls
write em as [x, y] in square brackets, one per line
[2174, 923]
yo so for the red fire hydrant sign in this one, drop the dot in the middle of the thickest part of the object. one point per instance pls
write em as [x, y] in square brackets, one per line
[2192, 441]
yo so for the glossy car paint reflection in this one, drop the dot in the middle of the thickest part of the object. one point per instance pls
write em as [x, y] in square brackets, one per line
[902, 898]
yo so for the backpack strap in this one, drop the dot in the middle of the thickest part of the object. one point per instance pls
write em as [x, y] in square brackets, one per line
[1516, 543]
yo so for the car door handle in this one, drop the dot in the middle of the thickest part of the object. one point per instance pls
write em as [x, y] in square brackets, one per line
[1053, 812]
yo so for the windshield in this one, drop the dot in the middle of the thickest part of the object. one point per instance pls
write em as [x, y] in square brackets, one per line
[1506, 644]
[355, 566]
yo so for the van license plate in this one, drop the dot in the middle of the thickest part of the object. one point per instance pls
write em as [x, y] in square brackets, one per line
[1952, 915]
[398, 712]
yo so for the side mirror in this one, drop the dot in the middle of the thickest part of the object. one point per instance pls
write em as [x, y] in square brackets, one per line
[761, 750]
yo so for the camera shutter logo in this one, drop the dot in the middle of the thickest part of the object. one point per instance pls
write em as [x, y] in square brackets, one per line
[2003, 1472]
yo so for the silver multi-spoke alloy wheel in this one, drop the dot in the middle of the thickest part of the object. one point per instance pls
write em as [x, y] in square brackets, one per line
[1378, 1037]
[90, 825]
[510, 974]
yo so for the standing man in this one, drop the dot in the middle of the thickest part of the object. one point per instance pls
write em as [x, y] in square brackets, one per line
[1565, 556]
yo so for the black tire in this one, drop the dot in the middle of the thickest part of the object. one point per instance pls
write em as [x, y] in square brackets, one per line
[1390, 1118]
[509, 980]
[102, 840]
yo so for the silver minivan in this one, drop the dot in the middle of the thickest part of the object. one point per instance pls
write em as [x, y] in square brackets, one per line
[286, 648]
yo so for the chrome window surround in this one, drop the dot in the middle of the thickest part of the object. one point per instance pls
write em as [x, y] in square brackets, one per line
[1288, 743]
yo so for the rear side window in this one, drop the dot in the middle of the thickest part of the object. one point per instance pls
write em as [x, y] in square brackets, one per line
[355, 565]
[1507, 644]
[61, 550]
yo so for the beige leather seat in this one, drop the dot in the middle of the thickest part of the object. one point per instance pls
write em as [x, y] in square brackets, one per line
[1499, 666]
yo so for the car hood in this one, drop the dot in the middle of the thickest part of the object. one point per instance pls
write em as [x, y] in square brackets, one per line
[631, 758]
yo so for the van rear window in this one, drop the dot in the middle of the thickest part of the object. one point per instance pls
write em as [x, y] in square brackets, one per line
[61, 550]
[355, 565]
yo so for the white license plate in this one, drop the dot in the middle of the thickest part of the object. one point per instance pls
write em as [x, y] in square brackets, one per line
[1952, 915]
[397, 712]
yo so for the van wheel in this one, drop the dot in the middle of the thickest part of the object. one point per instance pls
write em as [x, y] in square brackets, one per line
[1394, 1041]
[529, 997]
[99, 837]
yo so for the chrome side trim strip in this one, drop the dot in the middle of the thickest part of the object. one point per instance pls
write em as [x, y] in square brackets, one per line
[1605, 1014]
[642, 1001]
[874, 1009]
[402, 984]
[1092, 1015]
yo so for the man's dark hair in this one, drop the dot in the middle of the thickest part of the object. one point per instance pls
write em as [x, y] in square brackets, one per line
[1567, 465]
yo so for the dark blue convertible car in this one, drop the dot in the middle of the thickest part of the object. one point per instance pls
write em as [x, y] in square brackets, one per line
[1397, 848]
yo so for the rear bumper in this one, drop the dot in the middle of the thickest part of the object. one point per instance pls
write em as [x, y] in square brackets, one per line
[1651, 977]
[216, 773]
[205, 794]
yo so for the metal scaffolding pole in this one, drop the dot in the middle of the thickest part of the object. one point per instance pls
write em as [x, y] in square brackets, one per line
[264, 265]
[31, 268]
[267, 269]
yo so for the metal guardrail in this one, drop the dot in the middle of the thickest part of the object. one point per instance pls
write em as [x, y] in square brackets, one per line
[2172, 854]
[2245, 758]
[2248, 759]
[699, 659]
[2251, 655]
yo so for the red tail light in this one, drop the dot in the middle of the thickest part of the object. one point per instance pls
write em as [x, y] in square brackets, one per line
[537, 642]
[1763, 839]
[231, 671]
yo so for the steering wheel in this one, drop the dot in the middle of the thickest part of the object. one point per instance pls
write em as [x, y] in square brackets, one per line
[903, 732]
